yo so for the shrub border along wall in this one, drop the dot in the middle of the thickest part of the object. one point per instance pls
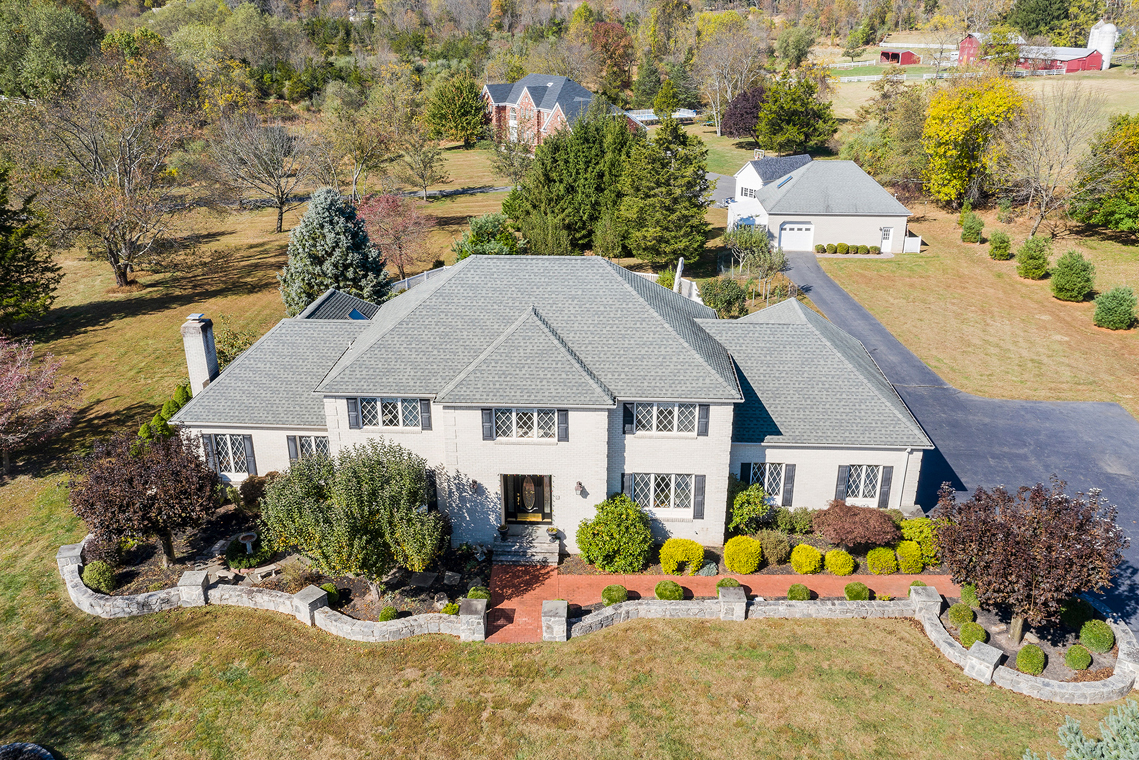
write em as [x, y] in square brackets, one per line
[309, 605]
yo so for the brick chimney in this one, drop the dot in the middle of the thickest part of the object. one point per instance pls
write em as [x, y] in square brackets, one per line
[201, 356]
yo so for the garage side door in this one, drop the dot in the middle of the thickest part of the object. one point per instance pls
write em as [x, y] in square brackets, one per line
[797, 236]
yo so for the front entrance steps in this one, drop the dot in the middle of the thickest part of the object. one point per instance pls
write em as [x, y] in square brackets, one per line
[532, 547]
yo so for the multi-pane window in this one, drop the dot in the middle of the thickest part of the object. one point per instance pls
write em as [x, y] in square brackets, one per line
[662, 491]
[862, 481]
[230, 453]
[666, 418]
[525, 423]
[311, 445]
[390, 412]
[770, 476]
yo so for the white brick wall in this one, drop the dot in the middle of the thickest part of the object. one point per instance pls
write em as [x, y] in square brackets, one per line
[270, 446]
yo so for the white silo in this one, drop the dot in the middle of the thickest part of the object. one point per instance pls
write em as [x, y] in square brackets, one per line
[1103, 37]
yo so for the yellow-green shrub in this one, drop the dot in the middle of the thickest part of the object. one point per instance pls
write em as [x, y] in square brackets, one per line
[882, 561]
[806, 559]
[743, 554]
[677, 550]
[839, 562]
[924, 531]
[909, 557]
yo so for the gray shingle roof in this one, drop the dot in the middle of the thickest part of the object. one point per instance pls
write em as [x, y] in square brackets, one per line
[640, 340]
[829, 187]
[272, 383]
[336, 305]
[805, 381]
[771, 168]
[547, 92]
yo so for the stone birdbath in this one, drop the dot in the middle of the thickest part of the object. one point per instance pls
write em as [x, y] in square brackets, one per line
[248, 539]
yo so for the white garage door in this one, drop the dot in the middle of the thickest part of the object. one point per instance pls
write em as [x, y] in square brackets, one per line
[797, 236]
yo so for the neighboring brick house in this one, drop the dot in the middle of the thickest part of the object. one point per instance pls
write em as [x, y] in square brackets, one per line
[536, 106]
[536, 386]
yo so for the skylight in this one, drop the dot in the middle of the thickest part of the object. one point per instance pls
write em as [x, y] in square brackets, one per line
[783, 181]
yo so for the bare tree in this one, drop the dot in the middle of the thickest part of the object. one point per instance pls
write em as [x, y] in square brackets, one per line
[264, 158]
[726, 64]
[561, 57]
[421, 163]
[1044, 149]
[946, 33]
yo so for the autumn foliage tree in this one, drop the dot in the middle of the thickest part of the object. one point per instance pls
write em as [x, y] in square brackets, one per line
[742, 114]
[398, 227]
[1030, 551]
[850, 526]
[125, 489]
[36, 401]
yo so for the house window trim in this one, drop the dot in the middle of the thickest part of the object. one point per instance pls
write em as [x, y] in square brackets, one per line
[402, 404]
[763, 469]
[296, 447]
[864, 501]
[675, 409]
[685, 512]
[536, 411]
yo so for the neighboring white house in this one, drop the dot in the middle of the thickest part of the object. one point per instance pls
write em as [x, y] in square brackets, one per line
[536, 386]
[803, 203]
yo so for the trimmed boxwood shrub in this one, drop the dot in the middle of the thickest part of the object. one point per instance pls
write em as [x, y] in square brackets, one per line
[924, 531]
[743, 554]
[909, 557]
[99, 576]
[478, 592]
[669, 591]
[820, 248]
[776, 548]
[613, 594]
[857, 592]
[450, 609]
[1115, 309]
[1097, 636]
[237, 559]
[388, 613]
[681, 550]
[882, 561]
[618, 539]
[806, 559]
[875, 250]
[969, 596]
[1076, 612]
[917, 583]
[839, 562]
[843, 248]
[960, 614]
[1000, 246]
[1077, 657]
[333, 593]
[832, 248]
[727, 583]
[1030, 660]
[863, 250]
[798, 593]
[972, 632]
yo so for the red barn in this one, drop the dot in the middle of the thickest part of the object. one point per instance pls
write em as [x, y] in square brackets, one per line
[900, 57]
[1065, 59]
[969, 49]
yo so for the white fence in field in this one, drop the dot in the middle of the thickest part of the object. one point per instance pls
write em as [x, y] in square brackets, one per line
[873, 78]
[854, 65]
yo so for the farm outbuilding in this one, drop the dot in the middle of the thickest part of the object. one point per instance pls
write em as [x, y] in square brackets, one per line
[900, 57]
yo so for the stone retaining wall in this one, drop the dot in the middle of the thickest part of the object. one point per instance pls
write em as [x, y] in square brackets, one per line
[784, 608]
[1090, 693]
[392, 630]
[104, 606]
[641, 608]
[251, 596]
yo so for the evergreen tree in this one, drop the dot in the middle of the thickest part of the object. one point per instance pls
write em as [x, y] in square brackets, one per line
[686, 89]
[330, 248]
[1074, 277]
[1039, 17]
[1032, 258]
[667, 192]
[647, 83]
[666, 101]
[792, 119]
[28, 275]
[457, 110]
[1115, 309]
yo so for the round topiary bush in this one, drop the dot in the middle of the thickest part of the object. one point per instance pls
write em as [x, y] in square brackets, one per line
[820, 248]
[1073, 278]
[843, 248]
[613, 594]
[677, 551]
[388, 613]
[960, 614]
[863, 250]
[618, 539]
[972, 632]
[669, 591]
[1076, 612]
[857, 592]
[727, 583]
[776, 548]
[909, 557]
[832, 248]
[1030, 660]
[478, 592]
[875, 250]
[798, 593]
[806, 559]
[1097, 636]
[743, 554]
[1115, 309]
[333, 594]
[1000, 246]
[1077, 657]
[917, 583]
[99, 576]
[969, 596]
[839, 562]
[882, 561]
[450, 609]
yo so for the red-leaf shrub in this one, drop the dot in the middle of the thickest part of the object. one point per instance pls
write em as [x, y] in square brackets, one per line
[847, 525]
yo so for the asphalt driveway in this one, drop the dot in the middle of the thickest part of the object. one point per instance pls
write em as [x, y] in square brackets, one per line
[990, 442]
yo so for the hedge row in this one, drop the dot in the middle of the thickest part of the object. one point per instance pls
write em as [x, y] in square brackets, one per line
[846, 248]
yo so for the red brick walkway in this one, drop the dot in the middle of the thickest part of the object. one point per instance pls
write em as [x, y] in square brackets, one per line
[517, 592]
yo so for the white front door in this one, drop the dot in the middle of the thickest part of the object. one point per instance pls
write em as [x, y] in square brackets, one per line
[797, 236]
[887, 239]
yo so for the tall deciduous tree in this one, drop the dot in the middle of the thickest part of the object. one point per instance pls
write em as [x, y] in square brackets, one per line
[36, 401]
[792, 119]
[793, 45]
[666, 194]
[614, 48]
[28, 274]
[330, 248]
[1107, 192]
[727, 63]
[396, 225]
[269, 158]
[1031, 551]
[43, 45]
[456, 110]
[353, 140]
[126, 489]
[420, 162]
[742, 114]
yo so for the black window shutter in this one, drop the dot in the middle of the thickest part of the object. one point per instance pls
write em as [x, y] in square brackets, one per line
[488, 424]
[884, 491]
[630, 425]
[698, 498]
[211, 456]
[840, 486]
[745, 473]
[294, 453]
[250, 462]
[424, 414]
[627, 484]
[702, 419]
[788, 485]
[353, 413]
[563, 424]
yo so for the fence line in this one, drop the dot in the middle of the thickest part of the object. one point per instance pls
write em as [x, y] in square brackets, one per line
[853, 65]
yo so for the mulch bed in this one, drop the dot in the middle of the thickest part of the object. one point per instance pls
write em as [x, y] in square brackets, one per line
[1054, 640]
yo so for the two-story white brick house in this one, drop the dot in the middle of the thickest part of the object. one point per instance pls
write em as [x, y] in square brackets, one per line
[536, 386]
